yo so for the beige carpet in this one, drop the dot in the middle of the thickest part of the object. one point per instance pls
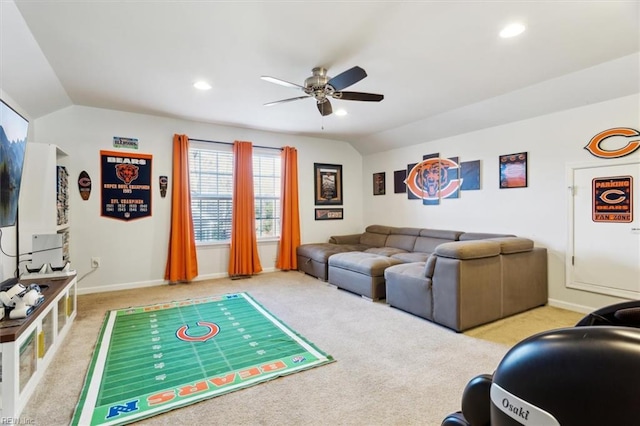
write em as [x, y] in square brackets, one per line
[509, 331]
[392, 368]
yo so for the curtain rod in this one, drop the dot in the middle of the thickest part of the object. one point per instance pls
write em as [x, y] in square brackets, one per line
[231, 143]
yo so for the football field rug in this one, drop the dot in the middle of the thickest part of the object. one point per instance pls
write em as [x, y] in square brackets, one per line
[152, 359]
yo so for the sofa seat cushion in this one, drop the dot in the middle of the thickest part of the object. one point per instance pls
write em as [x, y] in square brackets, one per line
[362, 262]
[410, 271]
[320, 252]
[411, 257]
[384, 251]
[408, 289]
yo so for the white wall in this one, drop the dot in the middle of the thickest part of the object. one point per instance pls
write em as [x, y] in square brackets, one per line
[538, 212]
[134, 253]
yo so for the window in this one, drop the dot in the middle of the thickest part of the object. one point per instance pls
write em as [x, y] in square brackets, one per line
[211, 180]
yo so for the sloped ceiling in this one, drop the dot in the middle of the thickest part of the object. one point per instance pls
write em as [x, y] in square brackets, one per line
[441, 66]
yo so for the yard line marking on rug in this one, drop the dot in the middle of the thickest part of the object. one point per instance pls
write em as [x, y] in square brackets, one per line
[96, 378]
[234, 343]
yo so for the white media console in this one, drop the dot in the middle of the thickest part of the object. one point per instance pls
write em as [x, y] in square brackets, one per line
[27, 346]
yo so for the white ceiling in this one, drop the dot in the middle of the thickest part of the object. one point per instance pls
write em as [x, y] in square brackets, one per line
[441, 66]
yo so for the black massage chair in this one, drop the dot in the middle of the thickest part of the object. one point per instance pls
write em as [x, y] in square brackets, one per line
[585, 375]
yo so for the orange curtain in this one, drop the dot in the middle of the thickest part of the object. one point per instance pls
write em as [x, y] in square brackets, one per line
[290, 214]
[182, 262]
[243, 256]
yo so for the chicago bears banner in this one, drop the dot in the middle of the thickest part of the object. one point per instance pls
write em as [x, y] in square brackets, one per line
[126, 185]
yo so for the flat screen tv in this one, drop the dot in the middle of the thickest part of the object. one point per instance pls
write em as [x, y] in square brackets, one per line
[13, 143]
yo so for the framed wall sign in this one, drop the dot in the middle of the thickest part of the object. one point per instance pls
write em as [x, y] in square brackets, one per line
[513, 170]
[328, 184]
[329, 214]
[379, 183]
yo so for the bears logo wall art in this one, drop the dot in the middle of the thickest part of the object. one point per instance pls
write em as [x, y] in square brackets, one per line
[126, 185]
[434, 178]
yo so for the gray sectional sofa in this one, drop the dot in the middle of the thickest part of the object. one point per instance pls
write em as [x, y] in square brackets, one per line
[453, 278]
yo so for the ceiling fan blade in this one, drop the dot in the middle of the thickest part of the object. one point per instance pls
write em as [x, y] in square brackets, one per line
[358, 96]
[347, 78]
[285, 100]
[281, 82]
[325, 107]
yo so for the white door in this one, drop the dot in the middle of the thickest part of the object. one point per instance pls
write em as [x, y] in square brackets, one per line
[604, 240]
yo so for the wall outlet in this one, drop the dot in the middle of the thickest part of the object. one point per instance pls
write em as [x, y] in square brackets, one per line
[95, 262]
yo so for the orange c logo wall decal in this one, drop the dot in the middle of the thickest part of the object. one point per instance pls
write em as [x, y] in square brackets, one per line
[213, 331]
[595, 148]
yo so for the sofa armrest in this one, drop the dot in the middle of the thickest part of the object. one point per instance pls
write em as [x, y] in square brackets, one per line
[465, 250]
[511, 245]
[466, 284]
[345, 239]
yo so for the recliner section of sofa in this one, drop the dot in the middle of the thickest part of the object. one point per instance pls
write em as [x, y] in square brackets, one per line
[468, 283]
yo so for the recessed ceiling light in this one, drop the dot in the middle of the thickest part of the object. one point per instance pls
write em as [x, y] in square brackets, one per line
[340, 112]
[512, 30]
[202, 85]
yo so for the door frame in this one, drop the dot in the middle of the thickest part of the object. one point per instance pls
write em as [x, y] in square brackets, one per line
[569, 282]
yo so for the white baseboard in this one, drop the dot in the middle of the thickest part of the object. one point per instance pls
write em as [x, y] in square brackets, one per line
[153, 283]
[571, 306]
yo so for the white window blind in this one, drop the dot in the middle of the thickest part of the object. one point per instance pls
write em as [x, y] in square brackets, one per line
[211, 180]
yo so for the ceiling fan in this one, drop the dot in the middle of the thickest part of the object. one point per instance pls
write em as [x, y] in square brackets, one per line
[321, 87]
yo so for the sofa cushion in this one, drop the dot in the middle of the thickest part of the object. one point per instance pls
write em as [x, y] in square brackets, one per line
[406, 231]
[468, 236]
[442, 234]
[411, 257]
[406, 274]
[428, 244]
[379, 229]
[345, 239]
[430, 266]
[320, 252]
[384, 251]
[469, 249]
[373, 239]
[511, 245]
[404, 242]
[361, 262]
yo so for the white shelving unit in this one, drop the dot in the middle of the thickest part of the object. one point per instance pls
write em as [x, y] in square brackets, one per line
[27, 346]
[26, 350]
[44, 196]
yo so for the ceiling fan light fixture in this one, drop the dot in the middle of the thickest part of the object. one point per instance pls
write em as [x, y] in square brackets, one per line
[512, 30]
[340, 112]
[321, 87]
[202, 85]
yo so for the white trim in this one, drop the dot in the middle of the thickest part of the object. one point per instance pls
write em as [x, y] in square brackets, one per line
[155, 283]
[571, 306]
[570, 182]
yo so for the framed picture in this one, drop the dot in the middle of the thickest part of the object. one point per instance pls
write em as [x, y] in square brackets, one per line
[399, 187]
[379, 183]
[328, 184]
[329, 214]
[513, 170]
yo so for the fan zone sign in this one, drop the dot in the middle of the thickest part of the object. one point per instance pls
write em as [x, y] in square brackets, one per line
[613, 199]
[126, 185]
